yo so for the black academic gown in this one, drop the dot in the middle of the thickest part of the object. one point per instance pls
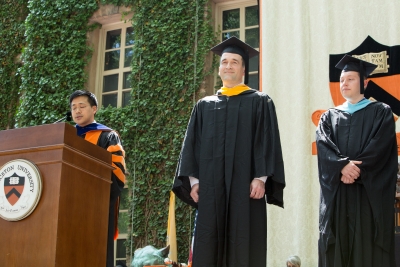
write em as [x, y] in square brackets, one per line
[229, 141]
[106, 140]
[356, 220]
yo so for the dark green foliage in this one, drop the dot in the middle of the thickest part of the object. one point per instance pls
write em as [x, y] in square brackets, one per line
[172, 39]
[117, 2]
[54, 58]
[12, 17]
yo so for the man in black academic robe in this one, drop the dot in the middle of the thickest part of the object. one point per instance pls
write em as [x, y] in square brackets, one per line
[231, 148]
[357, 163]
[83, 108]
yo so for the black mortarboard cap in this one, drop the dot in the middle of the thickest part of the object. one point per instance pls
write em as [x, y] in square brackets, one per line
[349, 63]
[236, 46]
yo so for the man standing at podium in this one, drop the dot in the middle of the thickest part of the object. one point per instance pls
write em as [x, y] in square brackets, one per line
[83, 106]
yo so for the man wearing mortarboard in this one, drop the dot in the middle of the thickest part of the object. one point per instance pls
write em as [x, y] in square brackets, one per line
[357, 164]
[231, 165]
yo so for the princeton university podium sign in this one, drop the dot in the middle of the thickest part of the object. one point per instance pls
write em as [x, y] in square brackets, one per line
[20, 189]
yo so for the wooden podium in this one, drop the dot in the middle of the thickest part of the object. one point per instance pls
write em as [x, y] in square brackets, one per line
[69, 225]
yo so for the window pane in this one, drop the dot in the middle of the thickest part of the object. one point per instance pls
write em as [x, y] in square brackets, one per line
[252, 37]
[126, 82]
[253, 64]
[111, 60]
[124, 199]
[129, 37]
[121, 249]
[253, 81]
[113, 39]
[122, 262]
[126, 97]
[251, 16]
[228, 35]
[231, 19]
[110, 100]
[128, 57]
[110, 83]
[123, 221]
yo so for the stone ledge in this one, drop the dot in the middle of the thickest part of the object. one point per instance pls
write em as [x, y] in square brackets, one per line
[107, 14]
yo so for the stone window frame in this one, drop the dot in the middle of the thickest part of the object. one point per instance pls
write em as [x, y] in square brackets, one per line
[109, 17]
[105, 16]
[220, 7]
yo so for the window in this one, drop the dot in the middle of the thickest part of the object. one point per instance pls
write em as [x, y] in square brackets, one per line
[109, 70]
[115, 56]
[241, 20]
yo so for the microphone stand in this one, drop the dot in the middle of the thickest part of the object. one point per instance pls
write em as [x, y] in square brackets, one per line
[66, 117]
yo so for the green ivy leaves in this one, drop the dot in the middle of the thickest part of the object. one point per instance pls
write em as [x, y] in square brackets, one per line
[54, 58]
[12, 16]
[168, 69]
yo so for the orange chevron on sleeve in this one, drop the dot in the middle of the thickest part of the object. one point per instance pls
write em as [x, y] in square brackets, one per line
[93, 136]
[119, 159]
[116, 148]
[118, 172]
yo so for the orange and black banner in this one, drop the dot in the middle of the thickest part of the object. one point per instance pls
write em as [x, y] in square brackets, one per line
[384, 84]
[384, 81]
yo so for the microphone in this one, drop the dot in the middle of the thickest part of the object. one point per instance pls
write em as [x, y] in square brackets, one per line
[67, 117]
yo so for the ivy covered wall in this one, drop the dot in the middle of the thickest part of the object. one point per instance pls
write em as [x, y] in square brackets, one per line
[12, 18]
[54, 58]
[172, 39]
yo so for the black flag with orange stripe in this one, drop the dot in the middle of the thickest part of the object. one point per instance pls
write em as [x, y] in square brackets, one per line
[384, 84]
